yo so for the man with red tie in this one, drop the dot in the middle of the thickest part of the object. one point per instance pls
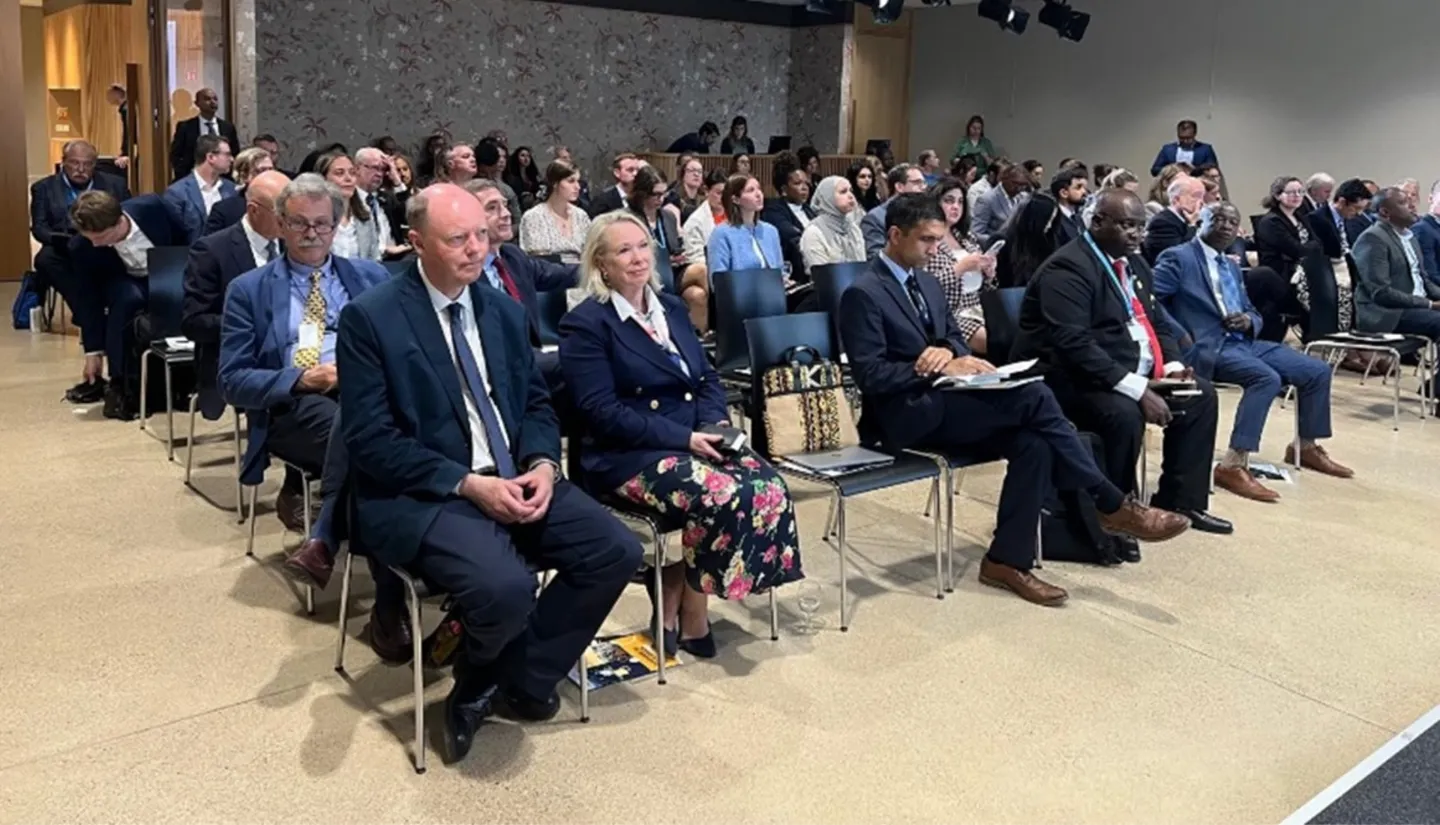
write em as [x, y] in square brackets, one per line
[1107, 349]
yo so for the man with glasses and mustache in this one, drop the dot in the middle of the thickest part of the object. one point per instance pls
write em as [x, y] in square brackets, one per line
[277, 351]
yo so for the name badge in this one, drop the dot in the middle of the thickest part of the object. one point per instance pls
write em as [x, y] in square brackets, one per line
[1138, 333]
[309, 336]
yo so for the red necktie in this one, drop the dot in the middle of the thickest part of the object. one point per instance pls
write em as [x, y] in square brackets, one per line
[506, 279]
[1156, 357]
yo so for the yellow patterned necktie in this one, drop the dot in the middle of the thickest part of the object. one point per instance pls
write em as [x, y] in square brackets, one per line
[307, 357]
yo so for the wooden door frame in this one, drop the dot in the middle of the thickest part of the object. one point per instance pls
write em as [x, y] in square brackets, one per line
[864, 27]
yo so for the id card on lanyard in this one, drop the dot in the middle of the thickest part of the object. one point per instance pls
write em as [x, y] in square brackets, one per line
[1140, 332]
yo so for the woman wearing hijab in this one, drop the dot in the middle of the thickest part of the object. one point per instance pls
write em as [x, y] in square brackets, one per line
[834, 236]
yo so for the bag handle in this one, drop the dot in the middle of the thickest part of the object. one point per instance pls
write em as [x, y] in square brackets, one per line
[802, 354]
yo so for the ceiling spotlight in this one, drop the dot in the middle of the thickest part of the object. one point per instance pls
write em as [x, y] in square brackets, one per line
[1069, 23]
[884, 11]
[1002, 12]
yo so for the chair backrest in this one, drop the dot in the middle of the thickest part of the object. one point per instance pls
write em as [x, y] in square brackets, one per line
[1002, 322]
[740, 296]
[166, 267]
[1323, 317]
[666, 271]
[554, 258]
[831, 281]
[768, 339]
[553, 306]
[1255, 222]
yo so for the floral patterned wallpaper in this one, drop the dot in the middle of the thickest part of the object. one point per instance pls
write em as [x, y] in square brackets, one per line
[597, 80]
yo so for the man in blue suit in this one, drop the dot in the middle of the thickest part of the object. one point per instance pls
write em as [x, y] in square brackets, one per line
[454, 456]
[112, 254]
[191, 198]
[899, 339]
[50, 202]
[903, 178]
[1205, 293]
[1185, 149]
[277, 362]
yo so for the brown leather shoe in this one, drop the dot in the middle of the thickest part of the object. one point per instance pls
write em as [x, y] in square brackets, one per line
[390, 636]
[1239, 481]
[312, 564]
[1022, 583]
[1137, 521]
[1314, 457]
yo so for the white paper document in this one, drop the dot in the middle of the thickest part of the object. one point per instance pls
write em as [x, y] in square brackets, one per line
[1002, 378]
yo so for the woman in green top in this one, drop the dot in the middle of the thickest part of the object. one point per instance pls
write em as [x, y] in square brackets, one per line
[975, 143]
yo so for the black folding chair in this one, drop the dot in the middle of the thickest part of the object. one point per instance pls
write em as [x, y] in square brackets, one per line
[769, 339]
[553, 306]
[166, 282]
[739, 296]
[831, 281]
[1001, 308]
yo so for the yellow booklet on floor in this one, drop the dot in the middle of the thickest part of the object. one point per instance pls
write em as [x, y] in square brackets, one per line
[616, 659]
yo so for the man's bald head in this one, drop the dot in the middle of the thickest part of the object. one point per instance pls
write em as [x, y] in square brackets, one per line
[208, 102]
[1118, 222]
[450, 233]
[260, 197]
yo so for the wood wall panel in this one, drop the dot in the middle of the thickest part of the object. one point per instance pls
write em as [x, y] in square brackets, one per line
[880, 83]
[86, 48]
[14, 183]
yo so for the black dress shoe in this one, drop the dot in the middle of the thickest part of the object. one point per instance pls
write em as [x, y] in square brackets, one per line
[532, 710]
[117, 405]
[701, 648]
[1207, 523]
[465, 708]
[87, 392]
[390, 636]
[1127, 549]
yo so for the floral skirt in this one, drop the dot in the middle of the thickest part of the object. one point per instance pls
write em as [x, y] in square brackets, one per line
[739, 534]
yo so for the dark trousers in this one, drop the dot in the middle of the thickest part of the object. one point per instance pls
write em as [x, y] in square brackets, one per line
[511, 639]
[300, 434]
[81, 293]
[125, 298]
[1424, 322]
[1027, 428]
[1273, 299]
[1189, 444]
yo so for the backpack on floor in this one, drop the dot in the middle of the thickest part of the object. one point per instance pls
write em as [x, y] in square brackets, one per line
[27, 299]
[1070, 525]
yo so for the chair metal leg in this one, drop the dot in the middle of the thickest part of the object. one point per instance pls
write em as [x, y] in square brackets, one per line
[830, 520]
[659, 637]
[1145, 465]
[305, 497]
[844, 565]
[949, 531]
[1040, 541]
[940, 523]
[584, 689]
[417, 636]
[250, 544]
[1295, 442]
[239, 502]
[144, 390]
[190, 441]
[344, 612]
[169, 414]
[774, 616]
[1395, 411]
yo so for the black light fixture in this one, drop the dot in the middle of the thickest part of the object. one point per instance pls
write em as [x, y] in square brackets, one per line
[884, 11]
[1009, 17]
[1070, 24]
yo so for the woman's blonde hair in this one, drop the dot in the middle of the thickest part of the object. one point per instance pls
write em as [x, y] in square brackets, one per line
[591, 275]
[246, 161]
[1158, 190]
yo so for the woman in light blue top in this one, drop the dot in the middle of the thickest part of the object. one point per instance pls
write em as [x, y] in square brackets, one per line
[743, 241]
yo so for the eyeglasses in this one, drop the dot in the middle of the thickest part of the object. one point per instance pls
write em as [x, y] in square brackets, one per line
[300, 226]
[1293, 192]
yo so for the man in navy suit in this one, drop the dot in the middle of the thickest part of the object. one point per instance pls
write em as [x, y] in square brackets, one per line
[226, 212]
[904, 178]
[112, 252]
[1205, 293]
[899, 339]
[1070, 188]
[215, 261]
[1334, 224]
[277, 363]
[191, 198]
[1185, 149]
[50, 201]
[455, 454]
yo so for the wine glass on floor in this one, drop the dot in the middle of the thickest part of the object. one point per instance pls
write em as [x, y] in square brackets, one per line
[809, 596]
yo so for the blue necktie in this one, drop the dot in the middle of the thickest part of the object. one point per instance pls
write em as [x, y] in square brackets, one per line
[912, 286]
[504, 464]
[1230, 288]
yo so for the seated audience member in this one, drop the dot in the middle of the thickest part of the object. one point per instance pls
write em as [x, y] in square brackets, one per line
[966, 170]
[556, 226]
[1101, 172]
[386, 144]
[1121, 179]
[190, 199]
[1176, 223]
[899, 339]
[490, 161]
[929, 163]
[697, 142]
[1280, 238]
[1031, 237]
[743, 241]
[995, 208]
[308, 164]
[268, 142]
[1318, 188]
[688, 193]
[984, 184]
[740, 165]
[834, 236]
[1330, 225]
[231, 209]
[976, 145]
[738, 142]
[1185, 149]
[646, 201]
[215, 261]
[459, 165]
[809, 158]
[277, 344]
[1204, 292]
[1036, 170]
[471, 502]
[1411, 188]
[790, 213]
[1427, 235]
[1212, 196]
[964, 272]
[1159, 190]
[50, 225]
[862, 185]
[623, 167]
[522, 175]
[903, 179]
[1070, 189]
[695, 283]
[1090, 317]
[357, 235]
[433, 158]
[879, 171]
[647, 447]
[375, 184]
[1069, 163]
[1392, 293]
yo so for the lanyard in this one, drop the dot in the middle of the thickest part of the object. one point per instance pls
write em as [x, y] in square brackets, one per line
[1125, 292]
[759, 252]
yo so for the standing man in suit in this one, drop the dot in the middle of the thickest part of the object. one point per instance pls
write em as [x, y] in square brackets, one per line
[455, 470]
[904, 178]
[115, 96]
[50, 201]
[112, 254]
[191, 198]
[790, 214]
[1203, 290]
[1090, 318]
[1070, 188]
[899, 339]
[277, 359]
[183, 156]
[1185, 149]
[997, 205]
[623, 168]
[1174, 224]
[215, 261]
[1392, 293]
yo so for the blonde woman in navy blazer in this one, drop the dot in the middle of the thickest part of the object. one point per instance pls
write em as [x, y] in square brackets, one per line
[645, 389]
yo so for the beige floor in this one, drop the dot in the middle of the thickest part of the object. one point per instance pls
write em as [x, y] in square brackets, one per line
[150, 673]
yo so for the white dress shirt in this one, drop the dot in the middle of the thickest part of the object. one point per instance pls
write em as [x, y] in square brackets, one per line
[1134, 385]
[259, 244]
[653, 321]
[1183, 155]
[1417, 278]
[132, 251]
[482, 460]
[1212, 261]
[211, 127]
[799, 210]
[209, 192]
[347, 240]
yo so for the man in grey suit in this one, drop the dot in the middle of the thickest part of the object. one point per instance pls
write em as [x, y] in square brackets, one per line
[996, 206]
[903, 178]
[1392, 293]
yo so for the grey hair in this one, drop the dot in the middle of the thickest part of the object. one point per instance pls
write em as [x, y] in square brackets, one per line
[311, 186]
[78, 145]
[1087, 213]
[475, 186]
[368, 152]
[1318, 179]
[591, 276]
[1404, 182]
[1180, 185]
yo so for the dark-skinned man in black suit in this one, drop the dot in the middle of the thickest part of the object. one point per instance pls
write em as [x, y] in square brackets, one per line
[187, 132]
